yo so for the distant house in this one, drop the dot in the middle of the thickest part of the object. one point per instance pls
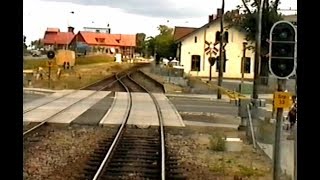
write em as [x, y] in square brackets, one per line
[107, 43]
[193, 56]
[291, 18]
[54, 39]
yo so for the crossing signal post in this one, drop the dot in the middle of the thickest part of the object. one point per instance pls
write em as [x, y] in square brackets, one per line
[211, 60]
[282, 64]
[50, 56]
[209, 50]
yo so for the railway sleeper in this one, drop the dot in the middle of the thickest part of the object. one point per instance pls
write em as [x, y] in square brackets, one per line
[142, 151]
[176, 177]
[133, 156]
[133, 170]
[136, 160]
[130, 176]
[139, 165]
[139, 145]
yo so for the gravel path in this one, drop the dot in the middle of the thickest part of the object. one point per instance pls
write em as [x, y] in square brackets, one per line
[60, 152]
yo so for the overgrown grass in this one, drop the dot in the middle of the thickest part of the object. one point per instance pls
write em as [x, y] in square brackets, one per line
[217, 142]
[230, 167]
[246, 171]
[35, 63]
[265, 132]
[94, 59]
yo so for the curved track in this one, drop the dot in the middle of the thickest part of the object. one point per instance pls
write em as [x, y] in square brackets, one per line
[133, 153]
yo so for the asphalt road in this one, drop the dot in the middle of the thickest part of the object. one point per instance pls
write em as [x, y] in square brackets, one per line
[203, 105]
[31, 97]
[33, 58]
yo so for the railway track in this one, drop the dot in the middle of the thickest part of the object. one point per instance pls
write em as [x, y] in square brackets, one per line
[133, 152]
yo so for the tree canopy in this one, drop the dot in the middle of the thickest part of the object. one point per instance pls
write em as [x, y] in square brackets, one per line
[140, 39]
[162, 44]
[37, 44]
[247, 21]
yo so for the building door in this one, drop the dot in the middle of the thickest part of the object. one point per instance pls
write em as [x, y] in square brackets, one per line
[195, 62]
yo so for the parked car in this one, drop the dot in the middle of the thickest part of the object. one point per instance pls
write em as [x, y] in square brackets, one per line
[35, 53]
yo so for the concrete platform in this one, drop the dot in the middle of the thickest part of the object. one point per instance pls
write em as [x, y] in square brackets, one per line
[171, 116]
[118, 109]
[36, 103]
[50, 109]
[143, 111]
[76, 110]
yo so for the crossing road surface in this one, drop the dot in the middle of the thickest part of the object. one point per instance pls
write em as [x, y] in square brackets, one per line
[188, 104]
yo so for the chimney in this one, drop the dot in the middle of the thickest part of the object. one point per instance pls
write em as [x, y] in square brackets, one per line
[219, 12]
[70, 29]
[210, 18]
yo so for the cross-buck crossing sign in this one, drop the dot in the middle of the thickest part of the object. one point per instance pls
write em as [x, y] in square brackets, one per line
[211, 48]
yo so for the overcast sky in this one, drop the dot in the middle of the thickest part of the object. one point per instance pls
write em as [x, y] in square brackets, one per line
[124, 16]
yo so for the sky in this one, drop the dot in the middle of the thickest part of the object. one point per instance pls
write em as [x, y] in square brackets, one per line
[123, 16]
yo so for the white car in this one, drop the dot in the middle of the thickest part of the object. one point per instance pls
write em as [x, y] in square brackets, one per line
[36, 53]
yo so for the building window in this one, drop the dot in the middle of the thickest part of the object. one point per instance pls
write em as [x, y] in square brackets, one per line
[247, 64]
[226, 37]
[218, 64]
[218, 36]
[195, 39]
[195, 63]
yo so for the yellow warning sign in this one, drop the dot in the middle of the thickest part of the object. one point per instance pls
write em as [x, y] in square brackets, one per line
[282, 100]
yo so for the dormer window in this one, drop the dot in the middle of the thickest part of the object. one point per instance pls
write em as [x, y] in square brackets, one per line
[100, 40]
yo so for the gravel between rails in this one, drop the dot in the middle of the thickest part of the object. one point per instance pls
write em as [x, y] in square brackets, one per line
[60, 152]
[147, 82]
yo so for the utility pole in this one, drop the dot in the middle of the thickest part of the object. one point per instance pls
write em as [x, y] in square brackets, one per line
[50, 56]
[295, 152]
[282, 64]
[257, 60]
[221, 51]
[242, 64]
[49, 76]
[210, 71]
[277, 144]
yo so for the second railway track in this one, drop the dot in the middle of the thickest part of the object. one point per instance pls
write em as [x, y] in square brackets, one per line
[98, 86]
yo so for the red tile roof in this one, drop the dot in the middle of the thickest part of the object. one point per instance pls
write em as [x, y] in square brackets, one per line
[93, 38]
[58, 37]
[180, 32]
[53, 30]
